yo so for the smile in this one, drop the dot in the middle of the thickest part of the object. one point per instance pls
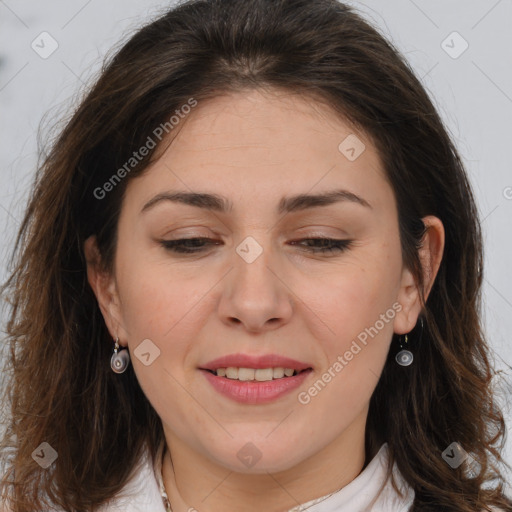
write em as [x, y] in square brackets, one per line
[253, 391]
[255, 374]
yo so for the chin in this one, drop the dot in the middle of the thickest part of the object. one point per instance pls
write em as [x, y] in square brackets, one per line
[260, 458]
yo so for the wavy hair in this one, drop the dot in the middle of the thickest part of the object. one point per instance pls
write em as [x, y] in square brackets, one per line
[59, 385]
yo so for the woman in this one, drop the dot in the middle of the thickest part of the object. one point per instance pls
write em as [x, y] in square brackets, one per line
[249, 279]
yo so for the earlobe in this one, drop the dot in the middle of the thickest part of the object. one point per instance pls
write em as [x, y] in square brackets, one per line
[103, 286]
[409, 299]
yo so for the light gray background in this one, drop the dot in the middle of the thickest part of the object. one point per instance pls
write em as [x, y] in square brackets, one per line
[473, 93]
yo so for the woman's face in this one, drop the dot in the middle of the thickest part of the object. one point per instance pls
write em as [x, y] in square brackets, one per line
[261, 290]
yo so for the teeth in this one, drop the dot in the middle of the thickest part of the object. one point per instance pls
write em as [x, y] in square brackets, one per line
[246, 374]
[278, 373]
[260, 374]
[232, 373]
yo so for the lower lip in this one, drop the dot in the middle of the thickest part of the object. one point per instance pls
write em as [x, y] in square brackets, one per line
[251, 392]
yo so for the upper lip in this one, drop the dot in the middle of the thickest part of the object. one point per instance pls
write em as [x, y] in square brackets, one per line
[248, 361]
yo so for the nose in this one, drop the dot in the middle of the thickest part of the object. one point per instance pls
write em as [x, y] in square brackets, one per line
[256, 295]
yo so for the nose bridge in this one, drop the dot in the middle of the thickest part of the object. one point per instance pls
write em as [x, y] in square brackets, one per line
[253, 279]
[255, 294]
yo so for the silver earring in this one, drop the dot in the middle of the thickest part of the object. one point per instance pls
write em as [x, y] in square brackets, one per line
[404, 357]
[119, 360]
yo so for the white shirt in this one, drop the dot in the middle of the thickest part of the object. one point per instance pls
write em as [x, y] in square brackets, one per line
[143, 491]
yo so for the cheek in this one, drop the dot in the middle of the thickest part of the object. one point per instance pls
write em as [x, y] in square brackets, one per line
[352, 296]
[158, 300]
[359, 307]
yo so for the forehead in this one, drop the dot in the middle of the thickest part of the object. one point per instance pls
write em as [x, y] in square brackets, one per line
[265, 144]
[255, 121]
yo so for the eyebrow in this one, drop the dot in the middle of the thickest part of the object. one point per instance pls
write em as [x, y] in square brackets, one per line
[218, 203]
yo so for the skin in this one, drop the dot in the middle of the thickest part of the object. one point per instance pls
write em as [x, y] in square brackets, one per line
[254, 148]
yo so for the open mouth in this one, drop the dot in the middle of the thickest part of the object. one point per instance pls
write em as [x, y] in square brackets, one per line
[252, 386]
[256, 374]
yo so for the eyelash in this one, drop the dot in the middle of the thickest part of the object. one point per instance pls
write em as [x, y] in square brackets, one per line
[179, 246]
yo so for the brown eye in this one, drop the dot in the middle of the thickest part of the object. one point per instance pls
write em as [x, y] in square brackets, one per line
[326, 245]
[196, 245]
[188, 245]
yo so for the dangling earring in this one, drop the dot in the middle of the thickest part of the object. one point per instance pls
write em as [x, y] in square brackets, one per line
[120, 360]
[404, 357]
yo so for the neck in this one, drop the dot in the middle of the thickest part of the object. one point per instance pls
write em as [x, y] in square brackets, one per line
[214, 488]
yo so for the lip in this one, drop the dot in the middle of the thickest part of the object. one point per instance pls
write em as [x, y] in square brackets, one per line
[252, 392]
[257, 362]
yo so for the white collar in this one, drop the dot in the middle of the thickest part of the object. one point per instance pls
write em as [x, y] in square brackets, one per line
[361, 493]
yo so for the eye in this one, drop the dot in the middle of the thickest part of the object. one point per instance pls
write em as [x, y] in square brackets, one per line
[326, 245]
[196, 245]
[188, 245]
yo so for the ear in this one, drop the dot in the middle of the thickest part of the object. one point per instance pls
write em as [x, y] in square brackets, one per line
[430, 254]
[104, 287]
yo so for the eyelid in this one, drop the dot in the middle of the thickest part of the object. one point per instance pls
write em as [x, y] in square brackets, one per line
[190, 232]
[315, 230]
[184, 246]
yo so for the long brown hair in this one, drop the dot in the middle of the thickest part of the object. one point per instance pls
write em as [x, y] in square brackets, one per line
[61, 389]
